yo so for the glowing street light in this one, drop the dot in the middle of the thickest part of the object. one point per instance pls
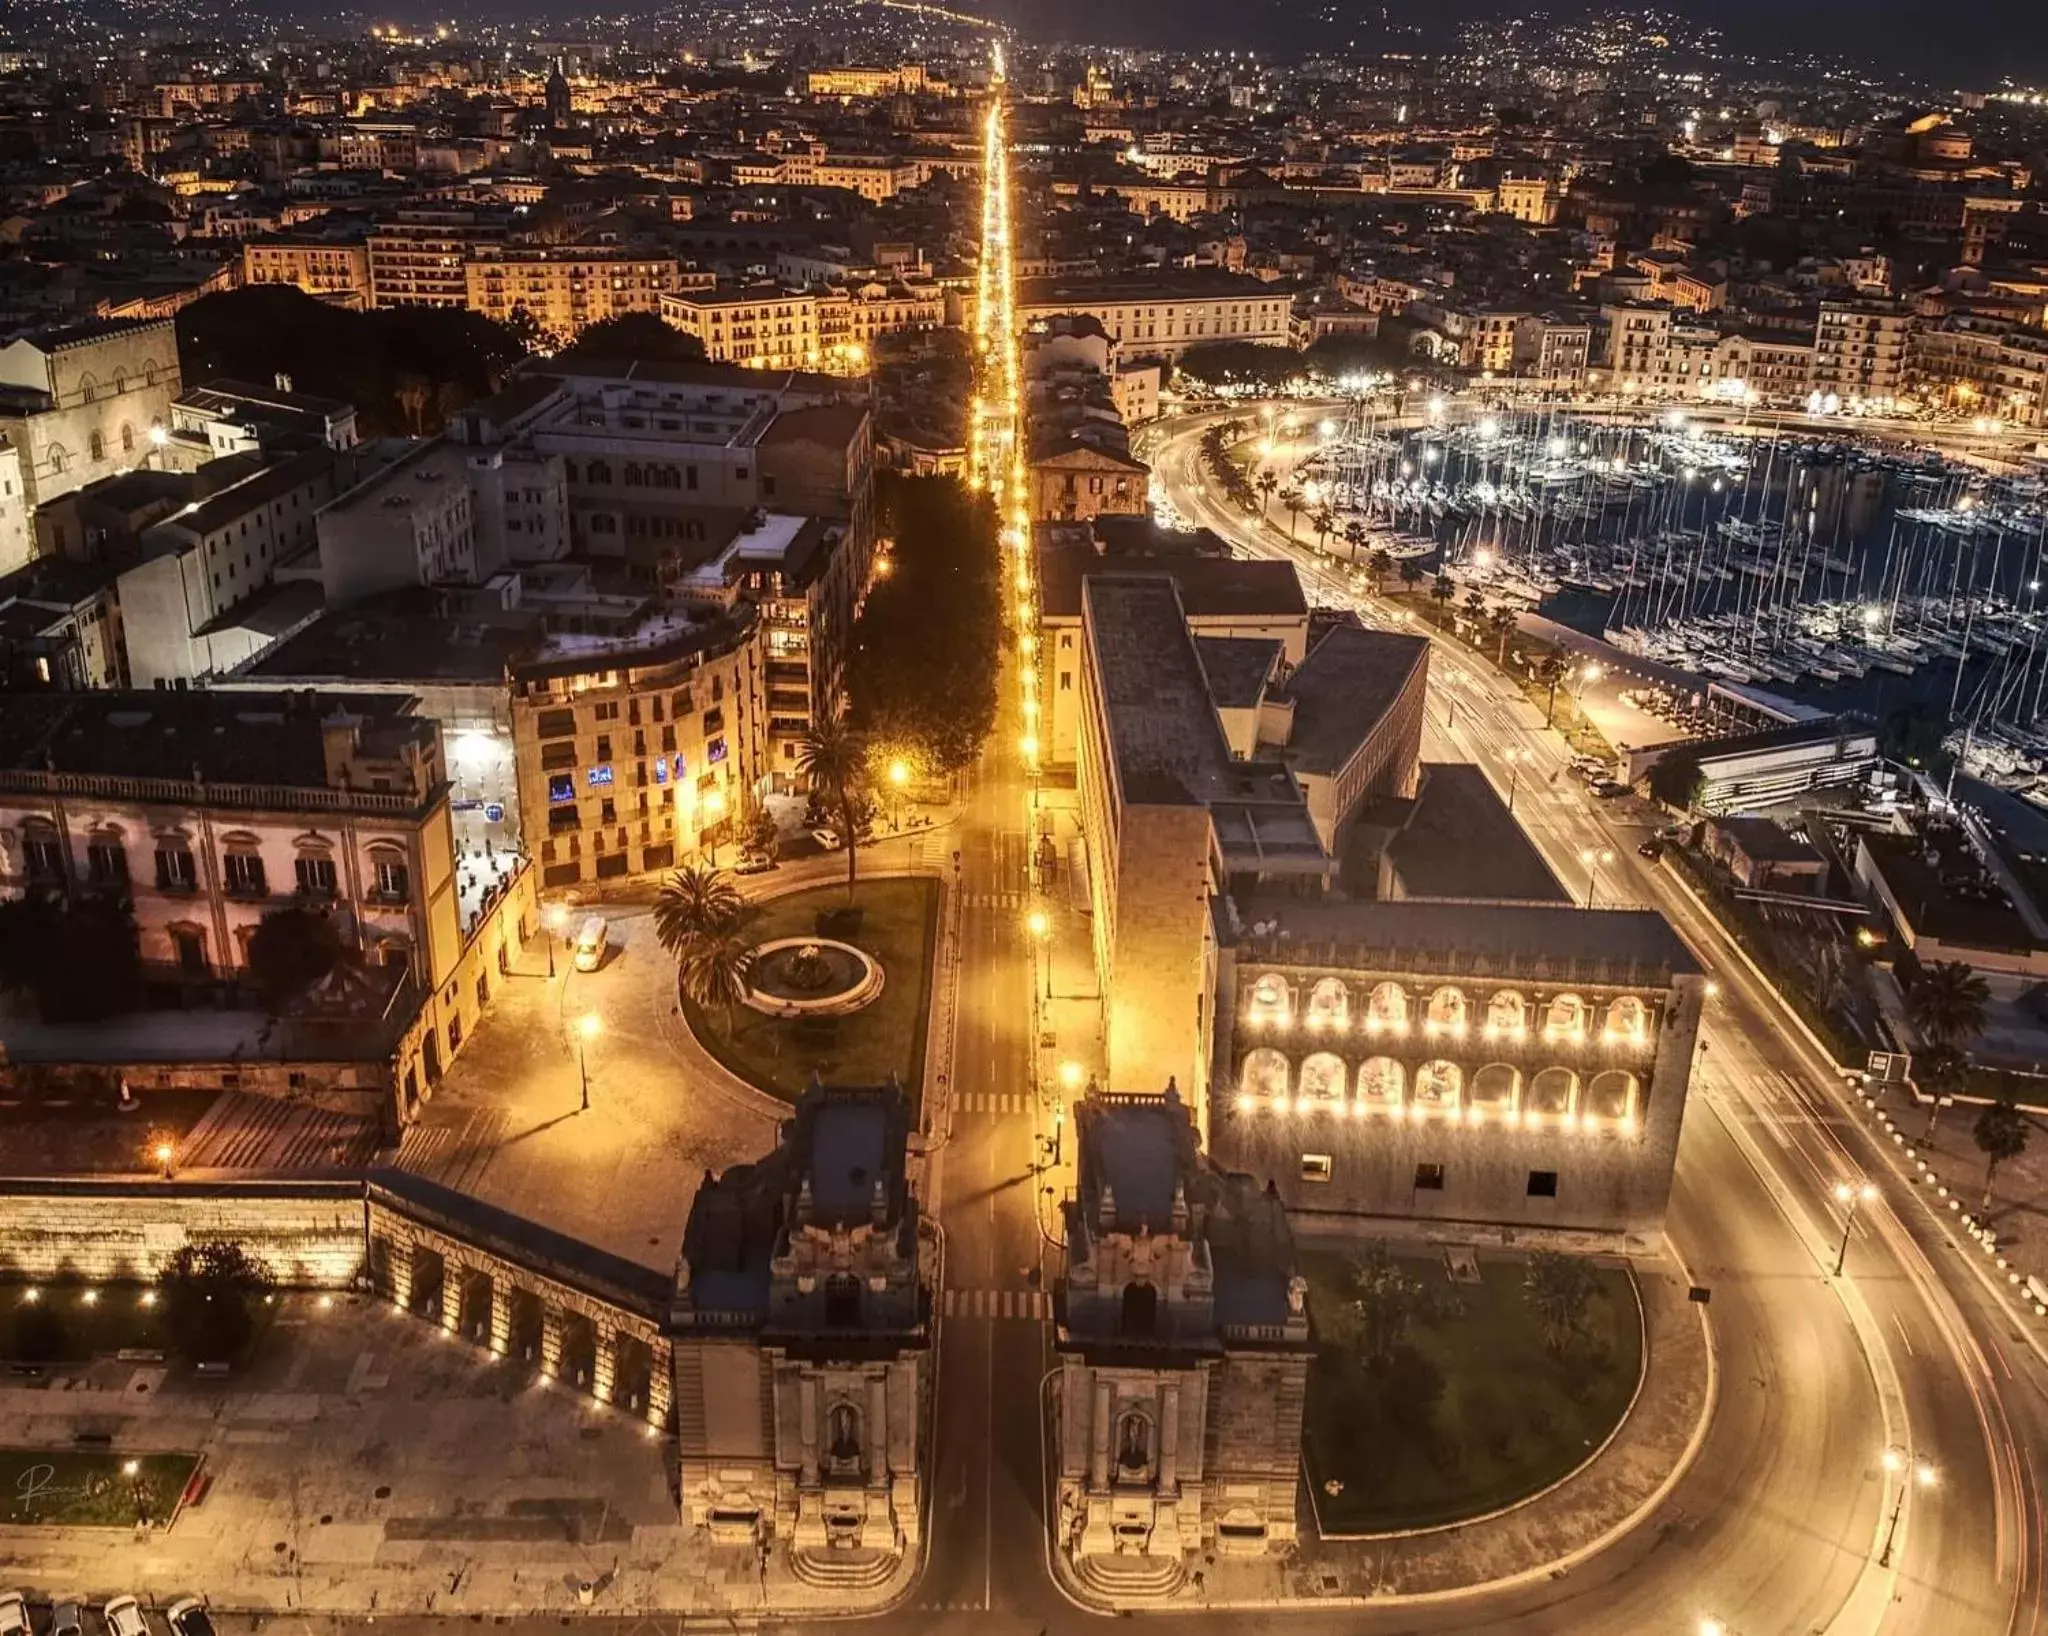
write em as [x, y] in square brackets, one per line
[1849, 1197]
[1896, 1463]
[555, 920]
[1593, 858]
[588, 1027]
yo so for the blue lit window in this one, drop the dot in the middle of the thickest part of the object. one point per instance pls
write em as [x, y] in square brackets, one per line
[660, 770]
[598, 775]
[714, 752]
[679, 767]
[561, 787]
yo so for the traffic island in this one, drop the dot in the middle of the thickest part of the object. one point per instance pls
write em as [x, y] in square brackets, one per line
[1437, 1396]
[779, 1050]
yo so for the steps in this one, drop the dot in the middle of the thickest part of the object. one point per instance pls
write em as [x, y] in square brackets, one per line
[1131, 1577]
[857, 1570]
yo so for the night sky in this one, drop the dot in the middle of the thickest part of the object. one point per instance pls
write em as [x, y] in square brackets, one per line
[1974, 41]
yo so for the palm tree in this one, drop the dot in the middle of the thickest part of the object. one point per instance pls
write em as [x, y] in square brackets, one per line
[834, 760]
[1550, 670]
[1381, 562]
[1325, 520]
[712, 971]
[1293, 499]
[695, 902]
[1266, 484]
[2001, 1135]
[1947, 1006]
[1940, 1073]
[1503, 627]
[1389, 1298]
[1442, 591]
[1475, 605]
[1411, 572]
[1560, 1287]
[1354, 537]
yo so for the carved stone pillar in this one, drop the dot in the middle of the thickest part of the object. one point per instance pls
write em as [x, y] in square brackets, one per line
[398, 1266]
[454, 1287]
[551, 1329]
[1169, 1437]
[661, 1384]
[808, 1387]
[501, 1314]
[604, 1367]
[878, 1429]
[1099, 1433]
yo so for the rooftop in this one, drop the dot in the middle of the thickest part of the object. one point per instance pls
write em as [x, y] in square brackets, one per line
[1343, 690]
[1209, 587]
[1457, 839]
[1169, 747]
[1239, 668]
[391, 639]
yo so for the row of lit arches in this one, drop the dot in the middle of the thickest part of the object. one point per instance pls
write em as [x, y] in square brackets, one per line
[1268, 1079]
[1387, 1007]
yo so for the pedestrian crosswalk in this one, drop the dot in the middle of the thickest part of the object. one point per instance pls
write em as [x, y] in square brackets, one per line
[997, 1303]
[992, 1102]
[995, 900]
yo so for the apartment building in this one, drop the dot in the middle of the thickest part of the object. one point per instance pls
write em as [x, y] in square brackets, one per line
[566, 288]
[639, 744]
[1981, 366]
[762, 326]
[420, 258]
[336, 270]
[1165, 314]
[412, 522]
[204, 811]
[1859, 350]
[1552, 347]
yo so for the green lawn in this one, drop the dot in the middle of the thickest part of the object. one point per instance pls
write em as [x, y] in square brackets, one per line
[900, 920]
[1511, 1418]
[90, 1488]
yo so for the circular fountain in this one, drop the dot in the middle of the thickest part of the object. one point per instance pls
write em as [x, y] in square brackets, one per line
[812, 977]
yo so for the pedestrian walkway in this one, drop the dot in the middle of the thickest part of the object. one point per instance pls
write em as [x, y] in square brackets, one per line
[243, 1131]
[995, 1103]
[997, 1303]
[995, 900]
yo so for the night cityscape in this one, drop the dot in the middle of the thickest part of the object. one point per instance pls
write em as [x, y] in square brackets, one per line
[895, 816]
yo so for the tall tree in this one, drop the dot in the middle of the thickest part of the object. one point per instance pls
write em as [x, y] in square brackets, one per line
[1949, 1005]
[209, 1291]
[712, 971]
[1550, 670]
[1266, 484]
[635, 337]
[834, 760]
[1295, 503]
[695, 901]
[1560, 1287]
[292, 948]
[1387, 1298]
[2001, 1134]
[1504, 622]
[1678, 780]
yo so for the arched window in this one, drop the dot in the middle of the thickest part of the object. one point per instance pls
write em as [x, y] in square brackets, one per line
[1329, 1004]
[600, 471]
[127, 438]
[1628, 1020]
[1380, 1082]
[1552, 1093]
[1387, 1007]
[1272, 1002]
[1611, 1095]
[1496, 1088]
[1566, 1014]
[59, 457]
[842, 1435]
[1322, 1078]
[120, 381]
[96, 445]
[631, 474]
[1447, 1011]
[1438, 1084]
[1265, 1073]
[1507, 1015]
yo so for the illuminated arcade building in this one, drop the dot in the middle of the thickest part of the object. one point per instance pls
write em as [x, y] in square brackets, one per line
[1466, 1046]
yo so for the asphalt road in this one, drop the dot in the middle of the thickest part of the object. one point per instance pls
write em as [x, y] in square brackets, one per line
[1757, 1214]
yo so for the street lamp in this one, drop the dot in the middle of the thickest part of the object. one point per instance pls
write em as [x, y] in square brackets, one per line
[164, 1152]
[1593, 858]
[899, 779]
[1924, 1476]
[1514, 756]
[1040, 928]
[1850, 1197]
[588, 1027]
[556, 919]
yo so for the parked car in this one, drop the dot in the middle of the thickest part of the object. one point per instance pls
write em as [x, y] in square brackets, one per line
[1652, 849]
[13, 1614]
[124, 1617]
[66, 1619]
[1608, 788]
[590, 942]
[188, 1617]
[753, 864]
[827, 837]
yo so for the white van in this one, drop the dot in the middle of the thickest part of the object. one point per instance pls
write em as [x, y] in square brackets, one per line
[590, 943]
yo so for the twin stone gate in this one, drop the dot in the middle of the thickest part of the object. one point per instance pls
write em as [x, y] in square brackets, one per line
[578, 1314]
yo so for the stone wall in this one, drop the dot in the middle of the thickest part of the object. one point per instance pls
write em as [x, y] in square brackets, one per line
[309, 1234]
